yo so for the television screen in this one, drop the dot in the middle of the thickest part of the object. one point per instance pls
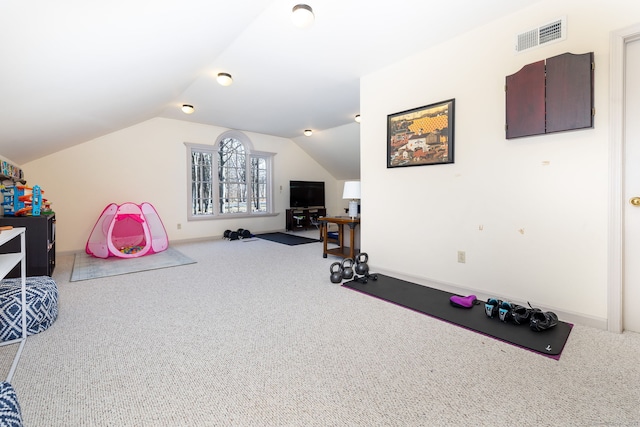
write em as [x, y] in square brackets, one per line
[306, 194]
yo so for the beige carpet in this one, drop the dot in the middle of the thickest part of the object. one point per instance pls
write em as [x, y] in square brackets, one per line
[254, 334]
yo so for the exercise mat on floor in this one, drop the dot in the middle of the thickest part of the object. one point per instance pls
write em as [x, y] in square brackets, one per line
[287, 239]
[435, 303]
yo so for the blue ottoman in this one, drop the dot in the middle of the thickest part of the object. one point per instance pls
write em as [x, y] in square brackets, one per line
[42, 306]
[10, 415]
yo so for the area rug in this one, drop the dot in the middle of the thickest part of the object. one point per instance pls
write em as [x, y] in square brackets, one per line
[435, 303]
[87, 267]
[286, 239]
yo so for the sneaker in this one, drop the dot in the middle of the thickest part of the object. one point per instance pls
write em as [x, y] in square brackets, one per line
[491, 307]
[520, 315]
[504, 311]
[541, 321]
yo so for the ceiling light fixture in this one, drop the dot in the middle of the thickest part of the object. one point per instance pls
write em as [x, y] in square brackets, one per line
[187, 109]
[308, 132]
[224, 79]
[302, 16]
[358, 118]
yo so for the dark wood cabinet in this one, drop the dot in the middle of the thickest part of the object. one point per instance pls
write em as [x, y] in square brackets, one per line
[550, 96]
[40, 239]
[304, 218]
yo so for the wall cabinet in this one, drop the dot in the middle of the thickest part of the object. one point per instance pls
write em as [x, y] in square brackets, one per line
[304, 218]
[40, 238]
[550, 96]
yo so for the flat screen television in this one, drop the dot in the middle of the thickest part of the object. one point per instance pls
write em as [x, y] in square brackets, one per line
[306, 194]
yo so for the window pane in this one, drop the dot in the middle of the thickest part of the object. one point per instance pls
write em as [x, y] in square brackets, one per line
[232, 176]
[201, 194]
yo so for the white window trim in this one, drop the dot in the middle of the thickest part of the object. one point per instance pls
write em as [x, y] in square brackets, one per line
[251, 153]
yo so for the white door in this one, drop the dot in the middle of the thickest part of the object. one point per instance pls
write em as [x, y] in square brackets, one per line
[631, 287]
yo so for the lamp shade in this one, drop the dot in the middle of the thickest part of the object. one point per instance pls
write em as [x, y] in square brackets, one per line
[351, 190]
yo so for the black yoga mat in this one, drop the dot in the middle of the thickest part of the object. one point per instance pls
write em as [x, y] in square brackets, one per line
[435, 303]
[287, 239]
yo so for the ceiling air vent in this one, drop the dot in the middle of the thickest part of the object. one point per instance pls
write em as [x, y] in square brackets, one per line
[548, 33]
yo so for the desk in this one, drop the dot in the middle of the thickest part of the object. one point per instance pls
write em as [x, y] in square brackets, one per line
[342, 250]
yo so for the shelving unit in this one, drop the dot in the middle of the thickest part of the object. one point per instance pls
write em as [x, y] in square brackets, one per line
[7, 262]
[41, 243]
[303, 218]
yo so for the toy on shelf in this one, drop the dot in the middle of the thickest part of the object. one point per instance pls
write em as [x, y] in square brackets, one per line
[19, 200]
[11, 173]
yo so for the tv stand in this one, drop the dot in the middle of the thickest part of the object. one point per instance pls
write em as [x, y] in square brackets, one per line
[303, 218]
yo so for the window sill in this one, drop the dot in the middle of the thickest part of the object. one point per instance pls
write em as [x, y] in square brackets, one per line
[230, 216]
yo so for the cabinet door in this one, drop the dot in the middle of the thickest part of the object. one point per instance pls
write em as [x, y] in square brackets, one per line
[569, 92]
[551, 96]
[525, 101]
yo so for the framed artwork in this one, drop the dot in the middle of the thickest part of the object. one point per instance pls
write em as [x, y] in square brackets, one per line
[421, 136]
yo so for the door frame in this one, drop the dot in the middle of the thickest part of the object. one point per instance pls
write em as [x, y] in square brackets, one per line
[618, 41]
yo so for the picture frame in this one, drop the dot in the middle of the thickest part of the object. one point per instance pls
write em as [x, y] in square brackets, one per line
[421, 136]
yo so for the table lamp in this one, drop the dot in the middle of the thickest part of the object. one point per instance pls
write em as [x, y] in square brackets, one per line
[352, 192]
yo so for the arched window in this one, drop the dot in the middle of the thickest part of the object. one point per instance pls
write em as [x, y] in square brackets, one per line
[229, 178]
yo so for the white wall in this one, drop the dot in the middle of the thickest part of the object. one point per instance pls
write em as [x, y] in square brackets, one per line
[148, 163]
[530, 213]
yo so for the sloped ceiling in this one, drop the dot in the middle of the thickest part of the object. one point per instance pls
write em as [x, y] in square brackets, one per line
[73, 70]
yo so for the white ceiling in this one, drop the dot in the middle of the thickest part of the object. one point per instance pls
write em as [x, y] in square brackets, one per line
[73, 70]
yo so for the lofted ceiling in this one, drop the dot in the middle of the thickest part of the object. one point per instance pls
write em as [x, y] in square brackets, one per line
[74, 70]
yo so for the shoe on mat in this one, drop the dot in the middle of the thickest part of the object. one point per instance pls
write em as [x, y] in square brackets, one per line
[504, 311]
[520, 315]
[541, 321]
[491, 307]
[463, 302]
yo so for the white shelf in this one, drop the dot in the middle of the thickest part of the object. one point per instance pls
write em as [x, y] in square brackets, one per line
[7, 235]
[7, 262]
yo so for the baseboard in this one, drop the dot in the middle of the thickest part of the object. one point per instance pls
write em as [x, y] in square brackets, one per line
[564, 315]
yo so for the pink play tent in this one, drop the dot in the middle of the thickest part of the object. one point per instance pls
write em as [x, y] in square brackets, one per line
[127, 231]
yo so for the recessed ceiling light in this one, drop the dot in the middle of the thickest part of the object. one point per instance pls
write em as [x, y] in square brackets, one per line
[224, 79]
[308, 132]
[302, 16]
[187, 109]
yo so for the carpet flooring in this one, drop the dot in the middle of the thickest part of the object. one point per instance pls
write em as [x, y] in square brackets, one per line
[435, 303]
[256, 335]
[87, 267]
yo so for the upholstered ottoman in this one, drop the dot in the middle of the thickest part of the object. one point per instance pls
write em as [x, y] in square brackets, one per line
[42, 306]
[10, 414]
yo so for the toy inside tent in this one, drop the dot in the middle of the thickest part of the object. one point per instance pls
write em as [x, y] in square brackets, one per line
[127, 231]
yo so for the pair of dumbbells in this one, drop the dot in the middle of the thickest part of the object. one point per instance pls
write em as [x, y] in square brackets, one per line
[241, 233]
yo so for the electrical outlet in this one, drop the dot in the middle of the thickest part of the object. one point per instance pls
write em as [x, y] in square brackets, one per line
[179, 226]
[462, 257]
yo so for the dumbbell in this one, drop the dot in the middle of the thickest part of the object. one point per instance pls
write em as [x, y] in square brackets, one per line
[243, 234]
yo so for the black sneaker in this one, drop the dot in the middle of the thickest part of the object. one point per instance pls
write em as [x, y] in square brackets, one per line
[541, 321]
[520, 315]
